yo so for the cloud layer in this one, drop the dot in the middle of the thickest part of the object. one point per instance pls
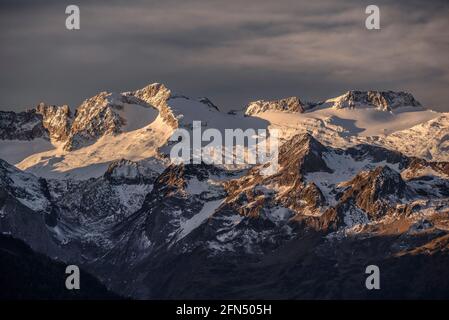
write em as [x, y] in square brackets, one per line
[232, 51]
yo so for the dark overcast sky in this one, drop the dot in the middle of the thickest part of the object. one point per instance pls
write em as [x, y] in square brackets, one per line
[231, 51]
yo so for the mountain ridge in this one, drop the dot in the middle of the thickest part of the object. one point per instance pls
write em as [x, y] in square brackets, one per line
[108, 198]
[103, 122]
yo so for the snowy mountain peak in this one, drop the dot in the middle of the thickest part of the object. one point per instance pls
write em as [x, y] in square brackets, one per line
[377, 192]
[305, 149]
[382, 100]
[94, 118]
[157, 95]
[107, 114]
[386, 181]
[291, 104]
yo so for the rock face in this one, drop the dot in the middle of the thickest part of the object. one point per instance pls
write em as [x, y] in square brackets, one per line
[94, 118]
[382, 100]
[57, 120]
[292, 104]
[25, 125]
[157, 95]
[24, 187]
[375, 192]
[299, 156]
[45, 121]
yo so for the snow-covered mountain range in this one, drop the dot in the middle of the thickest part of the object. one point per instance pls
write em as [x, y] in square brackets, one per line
[363, 179]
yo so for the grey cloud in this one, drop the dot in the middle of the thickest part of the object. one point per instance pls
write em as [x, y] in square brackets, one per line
[232, 51]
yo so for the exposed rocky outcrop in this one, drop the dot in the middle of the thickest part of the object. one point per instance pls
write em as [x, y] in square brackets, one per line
[376, 192]
[45, 121]
[300, 155]
[94, 118]
[157, 95]
[292, 104]
[26, 125]
[382, 100]
[56, 119]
